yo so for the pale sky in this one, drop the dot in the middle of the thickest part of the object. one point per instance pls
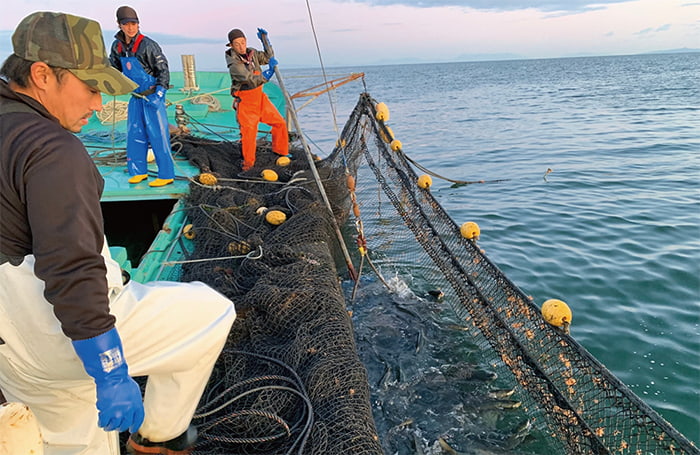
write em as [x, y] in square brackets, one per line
[372, 32]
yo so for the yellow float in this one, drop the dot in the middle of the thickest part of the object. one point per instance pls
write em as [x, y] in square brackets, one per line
[425, 181]
[188, 232]
[557, 313]
[275, 217]
[269, 175]
[382, 112]
[470, 230]
[283, 161]
[386, 138]
[207, 179]
[395, 145]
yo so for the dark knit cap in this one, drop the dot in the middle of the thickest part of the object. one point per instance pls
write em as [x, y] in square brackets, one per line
[233, 34]
[126, 14]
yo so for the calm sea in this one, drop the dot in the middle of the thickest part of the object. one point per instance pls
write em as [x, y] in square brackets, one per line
[613, 229]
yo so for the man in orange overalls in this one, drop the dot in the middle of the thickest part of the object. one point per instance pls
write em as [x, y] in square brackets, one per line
[251, 104]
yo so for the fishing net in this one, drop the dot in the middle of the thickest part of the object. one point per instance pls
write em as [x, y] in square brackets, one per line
[581, 406]
[290, 379]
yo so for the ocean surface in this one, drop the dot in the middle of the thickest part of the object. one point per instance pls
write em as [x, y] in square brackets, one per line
[600, 203]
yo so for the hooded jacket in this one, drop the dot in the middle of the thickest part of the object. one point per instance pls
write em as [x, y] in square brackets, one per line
[50, 193]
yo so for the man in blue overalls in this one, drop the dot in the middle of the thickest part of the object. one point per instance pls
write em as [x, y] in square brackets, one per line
[141, 60]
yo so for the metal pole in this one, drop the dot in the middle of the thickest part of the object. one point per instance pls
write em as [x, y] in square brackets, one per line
[292, 112]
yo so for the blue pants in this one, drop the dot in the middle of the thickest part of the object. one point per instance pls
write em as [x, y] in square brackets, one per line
[147, 125]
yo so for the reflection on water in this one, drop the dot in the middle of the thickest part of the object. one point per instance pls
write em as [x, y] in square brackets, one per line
[430, 394]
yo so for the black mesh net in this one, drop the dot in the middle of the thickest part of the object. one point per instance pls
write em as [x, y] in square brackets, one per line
[290, 379]
[579, 404]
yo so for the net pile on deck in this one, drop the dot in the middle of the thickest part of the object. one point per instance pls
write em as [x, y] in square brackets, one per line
[580, 406]
[289, 379]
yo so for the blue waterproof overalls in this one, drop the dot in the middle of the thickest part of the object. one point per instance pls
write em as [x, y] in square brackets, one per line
[148, 123]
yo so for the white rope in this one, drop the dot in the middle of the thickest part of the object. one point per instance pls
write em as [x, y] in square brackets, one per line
[112, 112]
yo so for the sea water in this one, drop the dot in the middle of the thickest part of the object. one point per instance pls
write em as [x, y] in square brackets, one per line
[599, 204]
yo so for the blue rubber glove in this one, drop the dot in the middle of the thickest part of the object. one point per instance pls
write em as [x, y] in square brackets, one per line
[157, 98]
[267, 74]
[261, 32]
[273, 62]
[119, 399]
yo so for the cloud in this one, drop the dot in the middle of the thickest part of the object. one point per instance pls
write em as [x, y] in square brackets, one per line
[501, 5]
[650, 30]
[646, 31]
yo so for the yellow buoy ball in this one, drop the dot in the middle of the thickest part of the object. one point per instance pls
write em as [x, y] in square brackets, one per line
[188, 232]
[395, 145]
[470, 230]
[556, 313]
[207, 179]
[269, 175]
[275, 217]
[382, 112]
[386, 138]
[425, 182]
[283, 161]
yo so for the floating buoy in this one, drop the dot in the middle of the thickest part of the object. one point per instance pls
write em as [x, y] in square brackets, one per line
[350, 182]
[340, 142]
[188, 232]
[283, 161]
[19, 430]
[425, 181]
[382, 112]
[557, 313]
[207, 179]
[275, 217]
[470, 230]
[386, 138]
[395, 145]
[269, 175]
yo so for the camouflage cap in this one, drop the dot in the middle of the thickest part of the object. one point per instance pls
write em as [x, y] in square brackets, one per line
[70, 42]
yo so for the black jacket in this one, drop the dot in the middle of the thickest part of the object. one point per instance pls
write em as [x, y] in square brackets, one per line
[50, 193]
[148, 53]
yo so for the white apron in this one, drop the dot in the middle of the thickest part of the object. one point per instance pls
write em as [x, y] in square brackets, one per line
[171, 332]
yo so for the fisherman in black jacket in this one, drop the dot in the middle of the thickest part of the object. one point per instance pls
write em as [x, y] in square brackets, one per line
[141, 59]
[72, 335]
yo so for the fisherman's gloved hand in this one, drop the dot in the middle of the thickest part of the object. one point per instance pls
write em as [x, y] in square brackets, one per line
[157, 98]
[119, 399]
[268, 73]
[261, 32]
[273, 62]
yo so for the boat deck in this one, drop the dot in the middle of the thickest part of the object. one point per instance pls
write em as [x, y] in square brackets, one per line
[117, 187]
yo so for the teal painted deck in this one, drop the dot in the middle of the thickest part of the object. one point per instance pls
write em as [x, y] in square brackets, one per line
[117, 187]
[132, 209]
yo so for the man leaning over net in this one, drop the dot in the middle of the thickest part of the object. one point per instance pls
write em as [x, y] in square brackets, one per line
[72, 336]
